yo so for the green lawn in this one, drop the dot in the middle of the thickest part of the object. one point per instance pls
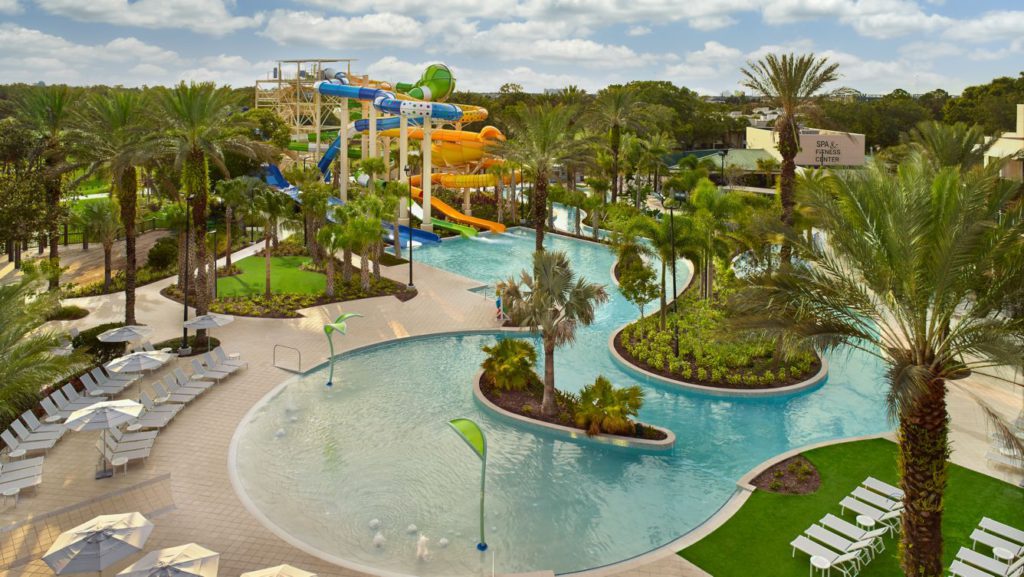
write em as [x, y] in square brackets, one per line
[285, 277]
[756, 540]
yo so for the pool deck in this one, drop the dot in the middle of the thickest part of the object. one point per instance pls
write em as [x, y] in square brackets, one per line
[185, 487]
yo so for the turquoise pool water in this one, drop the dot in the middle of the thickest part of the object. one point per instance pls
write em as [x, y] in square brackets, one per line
[320, 464]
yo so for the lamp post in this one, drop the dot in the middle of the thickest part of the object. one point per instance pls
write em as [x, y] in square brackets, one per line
[723, 153]
[215, 247]
[675, 291]
[188, 272]
[408, 173]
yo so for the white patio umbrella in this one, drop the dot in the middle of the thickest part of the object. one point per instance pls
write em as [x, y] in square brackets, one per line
[209, 321]
[182, 561]
[98, 543]
[103, 416]
[139, 361]
[279, 571]
[125, 334]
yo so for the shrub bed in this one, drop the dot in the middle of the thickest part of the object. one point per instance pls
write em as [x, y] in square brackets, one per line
[792, 476]
[708, 354]
[67, 313]
[143, 275]
[198, 346]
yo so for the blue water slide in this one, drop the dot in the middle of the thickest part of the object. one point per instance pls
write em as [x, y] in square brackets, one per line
[354, 128]
[387, 102]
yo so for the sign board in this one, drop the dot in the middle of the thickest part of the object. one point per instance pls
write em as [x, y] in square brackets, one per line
[831, 149]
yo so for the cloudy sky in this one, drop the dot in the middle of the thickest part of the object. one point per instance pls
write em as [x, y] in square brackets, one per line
[880, 44]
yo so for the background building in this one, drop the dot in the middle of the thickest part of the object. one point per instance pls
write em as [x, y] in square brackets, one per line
[1011, 144]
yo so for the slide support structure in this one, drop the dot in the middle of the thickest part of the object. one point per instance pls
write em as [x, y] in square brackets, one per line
[403, 161]
[425, 154]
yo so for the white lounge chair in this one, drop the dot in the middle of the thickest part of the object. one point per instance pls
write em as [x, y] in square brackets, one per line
[34, 425]
[165, 396]
[890, 519]
[1002, 529]
[172, 386]
[53, 413]
[883, 488]
[846, 563]
[961, 569]
[113, 451]
[152, 420]
[122, 437]
[205, 374]
[863, 549]
[104, 376]
[148, 346]
[989, 564]
[225, 359]
[26, 436]
[151, 406]
[97, 390]
[66, 404]
[18, 475]
[876, 500]
[76, 398]
[213, 365]
[184, 381]
[995, 541]
[17, 448]
[854, 532]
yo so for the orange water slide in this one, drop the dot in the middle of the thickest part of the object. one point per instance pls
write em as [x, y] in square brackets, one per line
[454, 147]
[450, 212]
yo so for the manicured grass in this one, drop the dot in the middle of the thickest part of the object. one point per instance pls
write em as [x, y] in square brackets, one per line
[285, 277]
[756, 540]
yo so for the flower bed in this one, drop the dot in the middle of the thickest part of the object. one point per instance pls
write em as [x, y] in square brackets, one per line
[708, 354]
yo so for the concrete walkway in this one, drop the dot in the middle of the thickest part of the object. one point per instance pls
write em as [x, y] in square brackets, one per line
[189, 460]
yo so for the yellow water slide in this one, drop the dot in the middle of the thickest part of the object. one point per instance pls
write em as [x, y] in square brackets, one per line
[455, 147]
[450, 212]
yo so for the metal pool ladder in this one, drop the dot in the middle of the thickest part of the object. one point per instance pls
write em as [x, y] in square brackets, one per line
[297, 352]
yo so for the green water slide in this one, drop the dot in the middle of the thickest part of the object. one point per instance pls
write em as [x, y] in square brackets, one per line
[466, 231]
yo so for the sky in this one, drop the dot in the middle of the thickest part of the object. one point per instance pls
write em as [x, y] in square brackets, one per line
[880, 45]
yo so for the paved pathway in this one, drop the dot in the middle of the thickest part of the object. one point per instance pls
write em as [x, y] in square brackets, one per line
[190, 456]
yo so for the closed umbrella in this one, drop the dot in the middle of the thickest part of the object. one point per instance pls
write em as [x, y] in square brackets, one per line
[103, 416]
[279, 571]
[209, 321]
[182, 561]
[125, 334]
[98, 544]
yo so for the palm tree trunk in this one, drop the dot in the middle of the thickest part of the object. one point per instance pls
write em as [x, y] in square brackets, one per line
[616, 137]
[266, 264]
[397, 245]
[378, 250]
[128, 197]
[53, 186]
[107, 248]
[548, 407]
[923, 452]
[664, 304]
[330, 276]
[595, 222]
[788, 148]
[346, 265]
[364, 269]
[229, 221]
[540, 212]
[195, 176]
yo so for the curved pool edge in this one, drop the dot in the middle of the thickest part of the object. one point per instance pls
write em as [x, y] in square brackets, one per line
[744, 489]
[577, 435]
[817, 380]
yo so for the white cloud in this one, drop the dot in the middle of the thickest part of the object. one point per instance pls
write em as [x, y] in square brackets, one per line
[929, 51]
[871, 18]
[204, 16]
[9, 7]
[991, 26]
[289, 27]
[226, 69]
[638, 31]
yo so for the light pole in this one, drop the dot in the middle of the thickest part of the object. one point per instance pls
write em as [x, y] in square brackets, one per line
[723, 154]
[408, 214]
[187, 273]
[215, 247]
[675, 291]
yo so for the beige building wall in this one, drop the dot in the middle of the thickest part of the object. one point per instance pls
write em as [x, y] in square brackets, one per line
[818, 147]
[1010, 144]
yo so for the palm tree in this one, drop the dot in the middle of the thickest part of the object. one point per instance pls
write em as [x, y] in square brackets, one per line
[27, 362]
[99, 221]
[273, 206]
[919, 265]
[556, 302]
[363, 234]
[613, 111]
[606, 409]
[509, 364]
[500, 170]
[332, 239]
[49, 111]
[596, 208]
[199, 127]
[768, 166]
[655, 147]
[394, 193]
[668, 239]
[116, 139]
[542, 139]
[372, 167]
[790, 81]
[951, 144]
[712, 212]
[236, 194]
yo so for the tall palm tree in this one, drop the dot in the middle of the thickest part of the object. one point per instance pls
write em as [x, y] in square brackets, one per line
[27, 362]
[500, 170]
[668, 239]
[332, 239]
[655, 147]
[790, 81]
[50, 112]
[394, 193]
[199, 127]
[919, 265]
[116, 139]
[712, 212]
[100, 221]
[273, 207]
[555, 301]
[613, 111]
[541, 139]
[237, 195]
[363, 234]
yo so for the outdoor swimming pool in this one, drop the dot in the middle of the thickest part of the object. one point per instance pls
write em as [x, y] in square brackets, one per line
[319, 464]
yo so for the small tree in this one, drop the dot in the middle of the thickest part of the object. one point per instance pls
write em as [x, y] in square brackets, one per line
[332, 239]
[509, 364]
[639, 285]
[603, 408]
[237, 195]
[100, 221]
[372, 167]
[272, 206]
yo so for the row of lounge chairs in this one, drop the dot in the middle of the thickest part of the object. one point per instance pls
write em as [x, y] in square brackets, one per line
[834, 543]
[1005, 546]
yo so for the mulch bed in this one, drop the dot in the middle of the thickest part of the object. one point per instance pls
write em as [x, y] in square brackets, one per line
[815, 367]
[793, 476]
[527, 404]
